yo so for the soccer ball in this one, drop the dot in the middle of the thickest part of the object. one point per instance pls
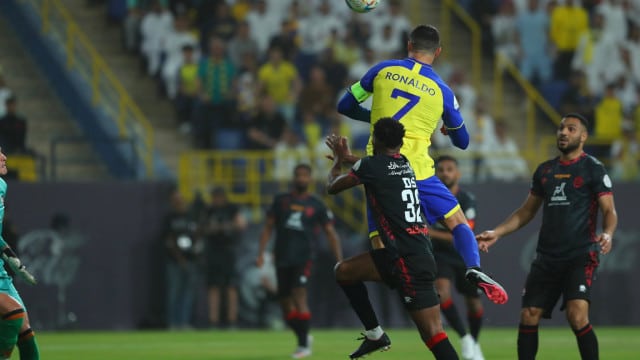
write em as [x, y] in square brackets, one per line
[362, 6]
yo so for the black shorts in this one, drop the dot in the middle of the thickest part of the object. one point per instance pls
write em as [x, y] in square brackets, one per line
[221, 271]
[290, 277]
[452, 267]
[548, 279]
[412, 276]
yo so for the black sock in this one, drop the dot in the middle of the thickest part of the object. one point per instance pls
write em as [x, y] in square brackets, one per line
[359, 298]
[304, 320]
[292, 321]
[441, 347]
[587, 342]
[527, 342]
[450, 313]
[475, 323]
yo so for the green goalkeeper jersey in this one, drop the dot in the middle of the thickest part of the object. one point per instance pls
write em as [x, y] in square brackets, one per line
[3, 193]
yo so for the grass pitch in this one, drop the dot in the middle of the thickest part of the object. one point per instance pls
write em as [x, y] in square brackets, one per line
[497, 343]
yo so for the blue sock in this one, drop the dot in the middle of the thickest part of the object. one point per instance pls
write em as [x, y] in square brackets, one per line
[465, 243]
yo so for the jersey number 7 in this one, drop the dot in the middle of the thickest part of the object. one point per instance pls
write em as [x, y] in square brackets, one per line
[413, 101]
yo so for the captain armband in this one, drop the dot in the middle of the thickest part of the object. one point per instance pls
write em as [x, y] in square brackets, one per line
[358, 92]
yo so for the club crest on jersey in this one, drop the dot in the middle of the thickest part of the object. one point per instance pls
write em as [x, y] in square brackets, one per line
[578, 182]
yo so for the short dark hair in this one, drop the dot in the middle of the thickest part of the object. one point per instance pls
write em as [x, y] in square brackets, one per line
[389, 132]
[302, 166]
[582, 118]
[442, 158]
[425, 38]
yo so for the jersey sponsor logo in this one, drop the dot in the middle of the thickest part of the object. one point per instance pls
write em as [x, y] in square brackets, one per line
[296, 207]
[402, 169]
[417, 229]
[606, 180]
[408, 299]
[294, 222]
[562, 176]
[407, 80]
[559, 197]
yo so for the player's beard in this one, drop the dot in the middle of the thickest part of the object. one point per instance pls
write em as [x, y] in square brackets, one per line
[300, 187]
[570, 147]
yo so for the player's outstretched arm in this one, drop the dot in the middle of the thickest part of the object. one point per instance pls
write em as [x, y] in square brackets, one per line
[609, 223]
[334, 240]
[349, 106]
[519, 218]
[338, 181]
[265, 235]
[16, 265]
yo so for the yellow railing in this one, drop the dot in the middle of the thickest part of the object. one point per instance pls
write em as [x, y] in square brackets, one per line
[252, 178]
[107, 92]
[534, 100]
[451, 7]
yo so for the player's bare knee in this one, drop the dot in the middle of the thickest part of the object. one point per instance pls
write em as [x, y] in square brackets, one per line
[530, 315]
[577, 318]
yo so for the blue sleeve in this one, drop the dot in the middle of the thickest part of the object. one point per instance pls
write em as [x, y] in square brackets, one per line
[453, 120]
[367, 79]
[349, 106]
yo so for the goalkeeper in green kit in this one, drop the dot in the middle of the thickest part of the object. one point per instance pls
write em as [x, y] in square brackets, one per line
[14, 322]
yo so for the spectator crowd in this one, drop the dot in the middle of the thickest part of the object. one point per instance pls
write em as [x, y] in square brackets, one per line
[265, 75]
[584, 56]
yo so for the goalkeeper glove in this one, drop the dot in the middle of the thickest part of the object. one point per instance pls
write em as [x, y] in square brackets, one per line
[14, 263]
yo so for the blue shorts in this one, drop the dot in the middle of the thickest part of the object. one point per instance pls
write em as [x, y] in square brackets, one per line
[6, 287]
[436, 201]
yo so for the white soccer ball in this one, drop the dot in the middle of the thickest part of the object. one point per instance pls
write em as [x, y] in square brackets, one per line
[362, 6]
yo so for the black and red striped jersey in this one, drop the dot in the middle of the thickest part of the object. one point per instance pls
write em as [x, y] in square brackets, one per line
[390, 185]
[296, 220]
[570, 191]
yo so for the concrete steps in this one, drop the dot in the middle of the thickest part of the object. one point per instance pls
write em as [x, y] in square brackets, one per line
[459, 54]
[107, 39]
[47, 118]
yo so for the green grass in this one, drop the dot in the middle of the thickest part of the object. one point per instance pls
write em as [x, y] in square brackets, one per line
[500, 343]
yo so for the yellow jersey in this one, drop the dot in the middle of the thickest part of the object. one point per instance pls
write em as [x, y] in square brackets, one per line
[412, 93]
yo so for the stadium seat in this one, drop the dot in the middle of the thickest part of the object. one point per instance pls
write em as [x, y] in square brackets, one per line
[24, 166]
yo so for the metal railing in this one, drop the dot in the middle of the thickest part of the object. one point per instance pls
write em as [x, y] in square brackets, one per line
[534, 101]
[252, 178]
[107, 91]
[449, 8]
